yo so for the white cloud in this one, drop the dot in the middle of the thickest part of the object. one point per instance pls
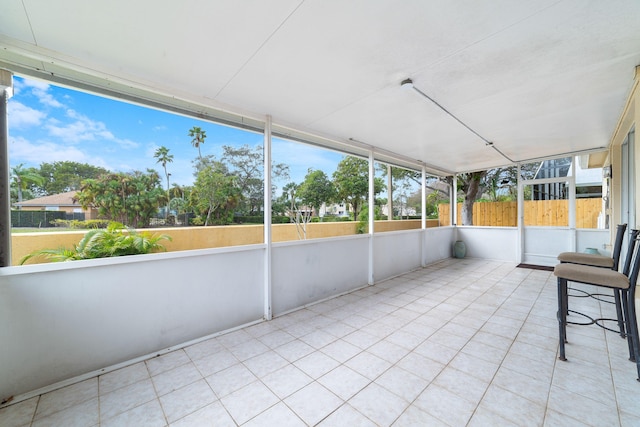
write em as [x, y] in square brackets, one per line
[41, 91]
[21, 116]
[23, 150]
[82, 128]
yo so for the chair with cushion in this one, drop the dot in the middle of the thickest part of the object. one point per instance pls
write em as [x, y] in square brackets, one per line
[624, 282]
[602, 261]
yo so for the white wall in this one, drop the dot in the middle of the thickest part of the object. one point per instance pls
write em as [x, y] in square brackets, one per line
[438, 244]
[308, 271]
[64, 320]
[396, 253]
[498, 243]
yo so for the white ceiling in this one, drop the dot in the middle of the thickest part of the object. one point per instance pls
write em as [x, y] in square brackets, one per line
[536, 77]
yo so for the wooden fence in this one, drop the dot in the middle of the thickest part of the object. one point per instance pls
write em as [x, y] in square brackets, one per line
[536, 212]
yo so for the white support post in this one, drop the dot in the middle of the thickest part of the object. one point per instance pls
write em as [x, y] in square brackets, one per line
[572, 203]
[454, 201]
[371, 214]
[520, 217]
[268, 314]
[423, 225]
[389, 193]
[6, 90]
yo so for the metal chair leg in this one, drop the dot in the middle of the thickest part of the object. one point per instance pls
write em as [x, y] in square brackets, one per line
[633, 331]
[562, 316]
[621, 320]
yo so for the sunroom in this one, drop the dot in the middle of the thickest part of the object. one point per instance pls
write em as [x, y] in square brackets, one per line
[379, 328]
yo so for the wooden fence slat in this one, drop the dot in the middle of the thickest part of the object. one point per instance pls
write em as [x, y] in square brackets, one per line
[536, 213]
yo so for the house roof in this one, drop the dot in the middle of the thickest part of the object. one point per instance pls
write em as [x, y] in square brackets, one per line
[529, 79]
[62, 199]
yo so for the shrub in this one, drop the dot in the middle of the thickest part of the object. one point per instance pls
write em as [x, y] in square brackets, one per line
[115, 240]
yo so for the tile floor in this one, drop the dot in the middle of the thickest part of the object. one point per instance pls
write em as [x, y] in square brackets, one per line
[459, 343]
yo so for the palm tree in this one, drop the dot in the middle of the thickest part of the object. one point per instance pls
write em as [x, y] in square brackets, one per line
[22, 178]
[198, 136]
[163, 156]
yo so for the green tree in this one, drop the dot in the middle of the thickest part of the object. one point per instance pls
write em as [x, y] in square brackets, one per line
[197, 138]
[60, 177]
[316, 189]
[22, 178]
[129, 198]
[351, 179]
[163, 157]
[215, 194]
[247, 165]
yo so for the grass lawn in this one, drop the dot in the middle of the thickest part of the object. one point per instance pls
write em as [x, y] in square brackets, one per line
[37, 230]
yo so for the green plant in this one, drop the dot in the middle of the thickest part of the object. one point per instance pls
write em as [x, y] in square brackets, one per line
[115, 240]
[77, 224]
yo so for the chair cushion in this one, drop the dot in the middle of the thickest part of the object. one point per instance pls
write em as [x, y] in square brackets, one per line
[586, 259]
[591, 275]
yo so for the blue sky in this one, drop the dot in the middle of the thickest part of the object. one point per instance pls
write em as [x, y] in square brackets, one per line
[48, 123]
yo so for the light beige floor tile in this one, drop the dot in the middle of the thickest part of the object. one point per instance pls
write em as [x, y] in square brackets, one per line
[19, 414]
[413, 416]
[265, 363]
[66, 397]
[286, 381]
[556, 419]
[204, 349]
[344, 382]
[175, 378]
[378, 404]
[82, 415]
[261, 329]
[213, 415]
[276, 339]
[405, 339]
[523, 385]
[484, 352]
[482, 417]
[248, 349]
[123, 377]
[471, 365]
[167, 362]
[234, 338]
[249, 401]
[294, 350]
[435, 351]
[187, 400]
[586, 386]
[341, 350]
[462, 384]
[369, 365]
[313, 403]
[361, 339]
[419, 365]
[512, 407]
[125, 398]
[278, 415]
[590, 411]
[216, 362]
[318, 339]
[339, 329]
[147, 415]
[231, 379]
[402, 383]
[388, 351]
[346, 416]
[445, 405]
[316, 364]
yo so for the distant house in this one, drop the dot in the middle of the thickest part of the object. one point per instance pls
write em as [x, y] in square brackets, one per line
[57, 202]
